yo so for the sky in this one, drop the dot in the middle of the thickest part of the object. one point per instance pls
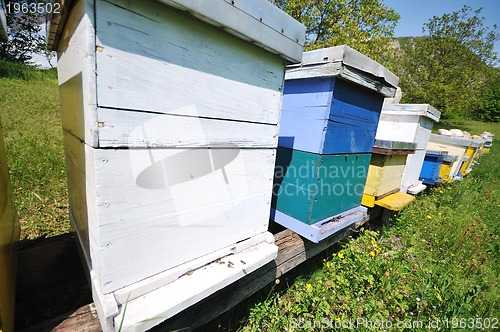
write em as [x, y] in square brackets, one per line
[414, 13]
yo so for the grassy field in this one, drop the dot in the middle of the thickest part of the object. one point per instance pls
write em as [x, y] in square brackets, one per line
[437, 264]
[29, 110]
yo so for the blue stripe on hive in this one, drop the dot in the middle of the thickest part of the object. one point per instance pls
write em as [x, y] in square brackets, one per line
[431, 168]
[329, 116]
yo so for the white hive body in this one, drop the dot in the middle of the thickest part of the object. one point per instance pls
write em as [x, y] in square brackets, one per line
[170, 113]
[410, 123]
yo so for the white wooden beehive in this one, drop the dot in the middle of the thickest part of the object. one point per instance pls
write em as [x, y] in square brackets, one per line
[410, 123]
[456, 146]
[170, 112]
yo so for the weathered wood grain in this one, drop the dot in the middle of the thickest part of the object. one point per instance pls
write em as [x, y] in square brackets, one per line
[121, 128]
[223, 76]
[9, 238]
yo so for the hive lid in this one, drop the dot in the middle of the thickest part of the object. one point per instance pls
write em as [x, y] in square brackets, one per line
[412, 109]
[394, 145]
[257, 21]
[3, 22]
[451, 140]
[347, 63]
[437, 152]
[449, 158]
[477, 143]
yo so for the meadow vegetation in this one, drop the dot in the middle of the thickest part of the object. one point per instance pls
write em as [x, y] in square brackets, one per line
[29, 106]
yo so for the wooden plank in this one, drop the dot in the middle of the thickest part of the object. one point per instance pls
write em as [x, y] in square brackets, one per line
[392, 152]
[395, 202]
[257, 22]
[305, 110]
[9, 238]
[83, 319]
[173, 61]
[121, 128]
[470, 154]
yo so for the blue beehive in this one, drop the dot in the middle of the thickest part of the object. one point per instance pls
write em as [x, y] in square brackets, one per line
[330, 111]
[432, 166]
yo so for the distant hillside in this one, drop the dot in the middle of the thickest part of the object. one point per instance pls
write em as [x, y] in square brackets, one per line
[405, 41]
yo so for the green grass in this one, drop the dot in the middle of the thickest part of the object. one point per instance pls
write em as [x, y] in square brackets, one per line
[439, 261]
[29, 111]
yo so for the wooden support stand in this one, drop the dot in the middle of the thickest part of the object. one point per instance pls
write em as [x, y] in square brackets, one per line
[293, 250]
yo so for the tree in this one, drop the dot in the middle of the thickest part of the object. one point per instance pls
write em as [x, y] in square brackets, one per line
[489, 109]
[365, 25]
[447, 67]
[24, 36]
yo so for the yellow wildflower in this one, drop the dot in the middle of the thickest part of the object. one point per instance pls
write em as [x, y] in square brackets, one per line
[309, 287]
[429, 217]
[438, 296]
[341, 255]
[372, 253]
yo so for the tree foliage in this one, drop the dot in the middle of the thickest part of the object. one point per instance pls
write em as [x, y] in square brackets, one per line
[447, 67]
[365, 25]
[489, 109]
[24, 37]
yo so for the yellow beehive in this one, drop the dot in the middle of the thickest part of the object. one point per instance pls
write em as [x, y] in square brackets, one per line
[384, 174]
[469, 153]
[446, 166]
[386, 170]
[472, 154]
[444, 173]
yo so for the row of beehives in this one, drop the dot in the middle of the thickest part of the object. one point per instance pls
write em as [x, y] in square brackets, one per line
[182, 138]
[400, 157]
